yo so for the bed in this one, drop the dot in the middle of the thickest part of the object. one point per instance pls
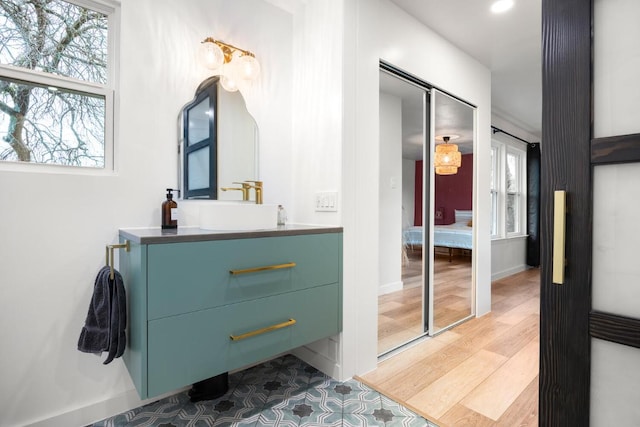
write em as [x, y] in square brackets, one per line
[458, 235]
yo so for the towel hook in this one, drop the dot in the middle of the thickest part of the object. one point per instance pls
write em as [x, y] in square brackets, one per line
[109, 254]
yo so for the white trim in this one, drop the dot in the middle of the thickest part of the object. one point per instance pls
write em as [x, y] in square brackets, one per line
[48, 79]
[95, 412]
[103, 6]
[508, 272]
[390, 287]
[320, 361]
[502, 149]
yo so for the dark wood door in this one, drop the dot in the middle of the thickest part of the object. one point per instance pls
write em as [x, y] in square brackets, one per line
[565, 153]
[569, 154]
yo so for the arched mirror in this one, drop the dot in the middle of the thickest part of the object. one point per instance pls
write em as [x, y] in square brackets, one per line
[218, 145]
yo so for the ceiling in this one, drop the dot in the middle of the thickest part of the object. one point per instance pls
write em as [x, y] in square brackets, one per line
[509, 44]
[452, 117]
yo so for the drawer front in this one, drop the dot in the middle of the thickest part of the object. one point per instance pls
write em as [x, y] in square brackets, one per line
[186, 277]
[195, 346]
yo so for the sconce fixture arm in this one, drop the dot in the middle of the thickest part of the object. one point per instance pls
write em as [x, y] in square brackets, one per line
[228, 49]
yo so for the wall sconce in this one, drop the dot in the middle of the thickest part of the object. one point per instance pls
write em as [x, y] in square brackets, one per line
[232, 63]
[447, 158]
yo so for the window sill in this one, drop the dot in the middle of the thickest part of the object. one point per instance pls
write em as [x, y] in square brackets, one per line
[515, 237]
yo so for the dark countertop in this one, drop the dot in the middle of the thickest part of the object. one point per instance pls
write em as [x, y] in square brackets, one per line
[194, 234]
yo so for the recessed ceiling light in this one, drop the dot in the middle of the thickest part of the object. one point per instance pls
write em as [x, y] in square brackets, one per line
[501, 6]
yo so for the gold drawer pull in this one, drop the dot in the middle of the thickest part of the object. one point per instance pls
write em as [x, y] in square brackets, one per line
[265, 268]
[289, 322]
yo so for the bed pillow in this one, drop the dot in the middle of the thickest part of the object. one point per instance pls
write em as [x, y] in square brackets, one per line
[463, 216]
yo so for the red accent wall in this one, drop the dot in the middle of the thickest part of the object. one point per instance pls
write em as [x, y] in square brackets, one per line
[452, 192]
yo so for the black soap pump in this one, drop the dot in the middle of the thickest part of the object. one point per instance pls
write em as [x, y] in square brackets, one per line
[170, 211]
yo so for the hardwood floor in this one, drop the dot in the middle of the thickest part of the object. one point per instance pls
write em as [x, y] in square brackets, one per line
[400, 312]
[483, 372]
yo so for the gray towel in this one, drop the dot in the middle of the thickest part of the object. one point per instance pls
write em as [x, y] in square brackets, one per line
[104, 328]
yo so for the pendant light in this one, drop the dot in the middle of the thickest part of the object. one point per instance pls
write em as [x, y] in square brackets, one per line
[447, 158]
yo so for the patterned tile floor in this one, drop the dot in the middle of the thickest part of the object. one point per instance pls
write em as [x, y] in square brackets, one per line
[281, 392]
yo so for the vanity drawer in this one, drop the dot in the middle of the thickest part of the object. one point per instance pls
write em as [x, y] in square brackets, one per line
[190, 347]
[186, 277]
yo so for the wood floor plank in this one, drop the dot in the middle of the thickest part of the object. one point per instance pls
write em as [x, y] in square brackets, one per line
[500, 390]
[523, 412]
[461, 416]
[509, 331]
[388, 369]
[411, 381]
[516, 337]
[441, 395]
[397, 337]
[521, 311]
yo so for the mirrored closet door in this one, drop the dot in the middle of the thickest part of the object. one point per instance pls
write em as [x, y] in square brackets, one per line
[451, 293]
[404, 115]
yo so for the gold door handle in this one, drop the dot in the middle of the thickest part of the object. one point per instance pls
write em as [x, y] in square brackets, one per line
[559, 235]
[265, 268]
[289, 322]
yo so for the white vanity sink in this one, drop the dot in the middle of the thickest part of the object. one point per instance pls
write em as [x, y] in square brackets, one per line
[243, 216]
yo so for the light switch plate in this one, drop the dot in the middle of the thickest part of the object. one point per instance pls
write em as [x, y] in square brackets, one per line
[326, 201]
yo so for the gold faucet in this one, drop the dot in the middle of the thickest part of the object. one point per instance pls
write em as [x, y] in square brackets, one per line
[245, 189]
[258, 187]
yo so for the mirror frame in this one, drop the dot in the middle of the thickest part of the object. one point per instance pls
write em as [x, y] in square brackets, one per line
[207, 89]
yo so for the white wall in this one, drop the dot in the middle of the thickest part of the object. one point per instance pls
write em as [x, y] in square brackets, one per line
[374, 30]
[408, 191]
[317, 109]
[318, 121]
[317, 135]
[55, 225]
[508, 256]
[390, 234]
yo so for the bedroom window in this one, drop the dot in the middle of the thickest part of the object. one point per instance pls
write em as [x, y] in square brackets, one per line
[494, 191]
[507, 190]
[513, 197]
[57, 62]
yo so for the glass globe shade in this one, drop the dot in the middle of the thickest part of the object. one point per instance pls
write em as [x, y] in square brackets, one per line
[228, 78]
[247, 67]
[211, 55]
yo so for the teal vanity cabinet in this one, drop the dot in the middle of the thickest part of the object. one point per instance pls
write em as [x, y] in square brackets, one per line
[202, 303]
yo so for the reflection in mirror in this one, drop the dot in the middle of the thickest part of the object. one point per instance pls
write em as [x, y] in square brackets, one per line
[452, 215]
[426, 218]
[219, 144]
[401, 304]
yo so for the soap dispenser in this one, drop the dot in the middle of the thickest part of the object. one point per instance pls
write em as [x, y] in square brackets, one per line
[170, 211]
[282, 215]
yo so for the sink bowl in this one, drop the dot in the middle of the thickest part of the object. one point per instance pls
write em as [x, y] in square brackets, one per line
[238, 216]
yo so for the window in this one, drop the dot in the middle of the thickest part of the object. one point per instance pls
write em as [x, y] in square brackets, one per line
[507, 190]
[494, 191]
[56, 82]
[512, 187]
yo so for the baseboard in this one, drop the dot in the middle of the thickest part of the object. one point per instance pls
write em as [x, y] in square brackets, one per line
[390, 287]
[508, 272]
[95, 412]
[129, 400]
[319, 361]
